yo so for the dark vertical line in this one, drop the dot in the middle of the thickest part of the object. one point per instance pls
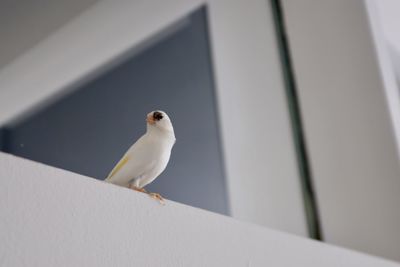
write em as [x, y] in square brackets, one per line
[310, 203]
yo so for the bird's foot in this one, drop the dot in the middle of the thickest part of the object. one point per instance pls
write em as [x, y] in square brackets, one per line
[158, 197]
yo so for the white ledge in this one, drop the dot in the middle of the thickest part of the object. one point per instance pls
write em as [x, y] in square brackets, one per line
[52, 217]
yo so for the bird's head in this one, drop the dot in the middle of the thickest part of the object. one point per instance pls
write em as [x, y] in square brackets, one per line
[160, 120]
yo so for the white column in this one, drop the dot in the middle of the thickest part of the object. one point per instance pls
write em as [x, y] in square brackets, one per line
[345, 85]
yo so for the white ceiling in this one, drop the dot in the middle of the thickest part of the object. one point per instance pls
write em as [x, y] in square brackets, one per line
[23, 24]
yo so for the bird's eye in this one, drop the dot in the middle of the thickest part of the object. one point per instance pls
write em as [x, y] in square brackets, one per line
[157, 115]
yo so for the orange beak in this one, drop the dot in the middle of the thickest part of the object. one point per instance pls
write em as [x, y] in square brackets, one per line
[150, 120]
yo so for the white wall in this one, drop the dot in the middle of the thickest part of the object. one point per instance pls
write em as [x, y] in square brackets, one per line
[262, 175]
[52, 217]
[351, 114]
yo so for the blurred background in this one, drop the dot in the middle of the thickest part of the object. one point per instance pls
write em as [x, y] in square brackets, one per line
[286, 112]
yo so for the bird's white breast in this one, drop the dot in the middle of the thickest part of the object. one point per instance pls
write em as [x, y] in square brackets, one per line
[147, 158]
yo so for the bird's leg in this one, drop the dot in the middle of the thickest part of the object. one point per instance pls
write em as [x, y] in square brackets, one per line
[131, 186]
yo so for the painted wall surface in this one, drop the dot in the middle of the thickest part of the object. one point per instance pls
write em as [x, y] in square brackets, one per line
[350, 122]
[51, 217]
[263, 181]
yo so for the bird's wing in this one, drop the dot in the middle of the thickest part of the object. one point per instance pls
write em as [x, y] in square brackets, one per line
[119, 165]
[136, 161]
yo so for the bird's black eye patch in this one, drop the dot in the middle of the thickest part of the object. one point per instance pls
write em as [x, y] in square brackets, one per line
[157, 115]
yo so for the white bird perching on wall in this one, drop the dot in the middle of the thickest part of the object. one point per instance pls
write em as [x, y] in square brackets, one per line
[146, 159]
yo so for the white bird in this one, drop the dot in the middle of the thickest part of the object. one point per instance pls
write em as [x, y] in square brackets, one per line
[146, 159]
